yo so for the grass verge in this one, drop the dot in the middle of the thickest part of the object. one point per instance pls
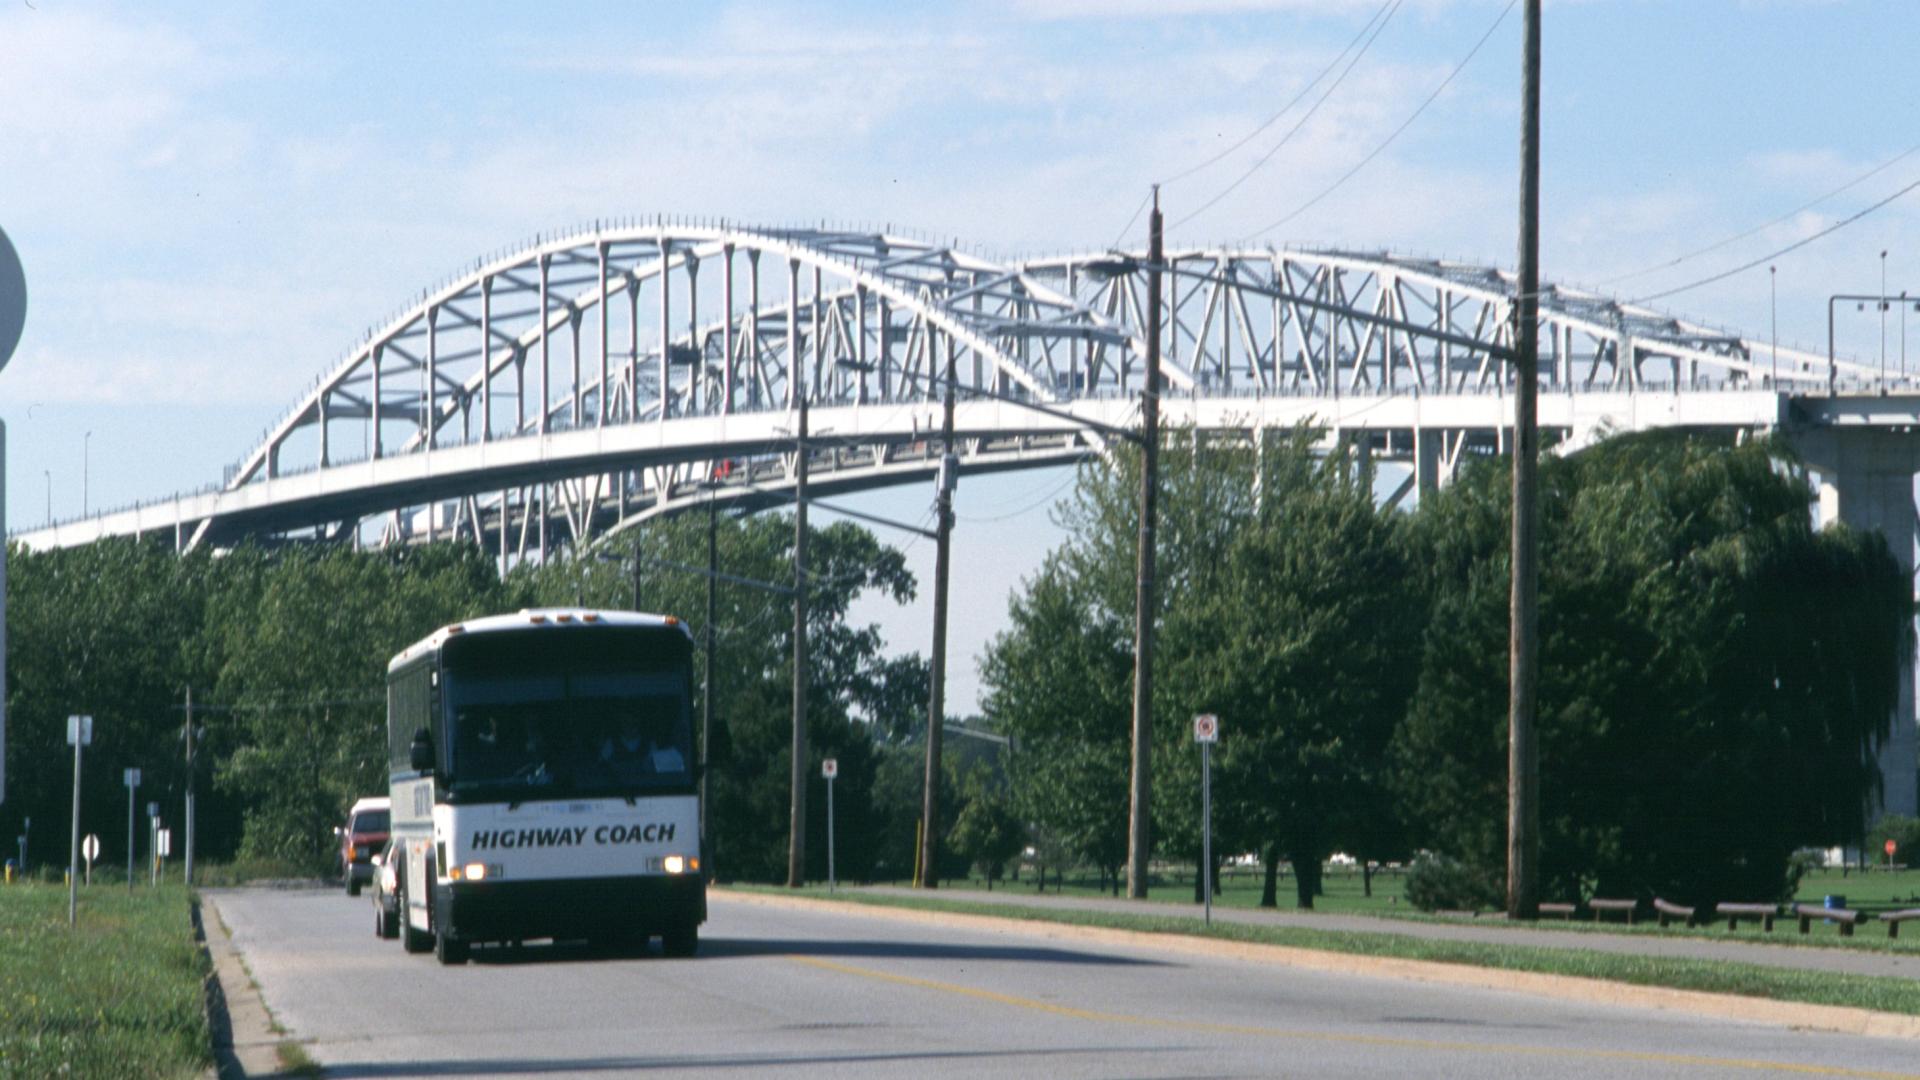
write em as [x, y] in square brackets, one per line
[1879, 993]
[294, 1061]
[121, 993]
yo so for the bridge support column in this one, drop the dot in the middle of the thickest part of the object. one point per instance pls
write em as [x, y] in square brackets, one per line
[1426, 461]
[1867, 482]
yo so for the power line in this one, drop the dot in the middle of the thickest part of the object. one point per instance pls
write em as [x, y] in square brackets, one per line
[1270, 121]
[1388, 141]
[1288, 107]
[1295, 129]
[1770, 256]
[1782, 219]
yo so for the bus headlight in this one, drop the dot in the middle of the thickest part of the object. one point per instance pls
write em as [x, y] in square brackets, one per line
[476, 871]
[678, 864]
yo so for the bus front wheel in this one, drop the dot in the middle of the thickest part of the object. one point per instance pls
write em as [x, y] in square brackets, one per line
[681, 941]
[447, 948]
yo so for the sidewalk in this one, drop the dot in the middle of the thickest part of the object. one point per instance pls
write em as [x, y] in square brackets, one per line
[1744, 949]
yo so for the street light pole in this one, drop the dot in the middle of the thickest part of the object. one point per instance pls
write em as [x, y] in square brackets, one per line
[1773, 309]
[1883, 319]
[797, 806]
[1833, 366]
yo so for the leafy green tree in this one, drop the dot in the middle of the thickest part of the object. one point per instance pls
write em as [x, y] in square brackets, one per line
[305, 641]
[1299, 639]
[110, 630]
[856, 694]
[1058, 681]
[1284, 607]
[1715, 674]
[988, 833]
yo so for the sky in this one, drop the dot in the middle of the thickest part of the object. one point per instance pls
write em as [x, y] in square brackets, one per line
[213, 201]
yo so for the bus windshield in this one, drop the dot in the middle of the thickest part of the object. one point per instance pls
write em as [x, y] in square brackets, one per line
[568, 732]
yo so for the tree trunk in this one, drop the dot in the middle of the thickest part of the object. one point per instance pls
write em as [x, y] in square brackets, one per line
[1270, 888]
[1199, 883]
[1306, 875]
[1366, 878]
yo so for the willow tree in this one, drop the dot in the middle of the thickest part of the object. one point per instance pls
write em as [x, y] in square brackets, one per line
[1716, 674]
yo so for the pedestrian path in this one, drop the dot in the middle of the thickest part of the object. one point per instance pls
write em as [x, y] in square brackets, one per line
[1748, 950]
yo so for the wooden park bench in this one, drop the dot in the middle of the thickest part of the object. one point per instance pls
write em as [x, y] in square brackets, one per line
[1559, 910]
[1733, 913]
[1667, 910]
[1893, 919]
[1627, 907]
[1846, 917]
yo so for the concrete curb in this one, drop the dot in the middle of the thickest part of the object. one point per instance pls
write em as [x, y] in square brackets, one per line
[1831, 1018]
[244, 1042]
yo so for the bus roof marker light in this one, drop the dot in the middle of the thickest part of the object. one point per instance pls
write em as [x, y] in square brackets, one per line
[537, 619]
[590, 616]
[563, 618]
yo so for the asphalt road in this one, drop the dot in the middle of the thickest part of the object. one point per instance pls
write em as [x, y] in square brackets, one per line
[807, 993]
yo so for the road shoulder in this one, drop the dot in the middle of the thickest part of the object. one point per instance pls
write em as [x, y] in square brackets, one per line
[1828, 1018]
[244, 1041]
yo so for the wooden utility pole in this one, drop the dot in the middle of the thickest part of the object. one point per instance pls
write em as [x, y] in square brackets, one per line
[706, 696]
[1139, 825]
[1523, 653]
[937, 697]
[797, 815]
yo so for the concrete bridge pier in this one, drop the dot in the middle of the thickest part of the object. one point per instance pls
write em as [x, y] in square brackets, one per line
[1866, 480]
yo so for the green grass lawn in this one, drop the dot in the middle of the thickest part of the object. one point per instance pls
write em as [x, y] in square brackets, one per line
[119, 994]
[1345, 894]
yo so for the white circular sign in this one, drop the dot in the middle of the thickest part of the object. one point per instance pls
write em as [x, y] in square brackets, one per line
[90, 847]
[830, 767]
[1206, 728]
[13, 299]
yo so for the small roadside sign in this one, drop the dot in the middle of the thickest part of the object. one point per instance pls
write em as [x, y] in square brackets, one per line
[830, 767]
[131, 778]
[166, 843]
[90, 847]
[1206, 728]
[1891, 848]
[79, 731]
[153, 809]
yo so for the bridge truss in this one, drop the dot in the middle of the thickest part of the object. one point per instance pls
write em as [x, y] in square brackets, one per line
[549, 397]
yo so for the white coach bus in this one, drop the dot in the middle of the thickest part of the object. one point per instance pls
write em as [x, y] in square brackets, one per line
[543, 783]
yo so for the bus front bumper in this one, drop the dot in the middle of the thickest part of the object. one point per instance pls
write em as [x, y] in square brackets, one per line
[571, 908]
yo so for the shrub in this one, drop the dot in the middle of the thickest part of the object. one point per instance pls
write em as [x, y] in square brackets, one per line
[1902, 830]
[1441, 882]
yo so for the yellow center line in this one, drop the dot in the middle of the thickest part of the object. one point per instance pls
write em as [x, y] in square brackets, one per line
[1211, 1028]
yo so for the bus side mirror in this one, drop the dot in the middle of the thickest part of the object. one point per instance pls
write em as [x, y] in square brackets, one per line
[420, 754]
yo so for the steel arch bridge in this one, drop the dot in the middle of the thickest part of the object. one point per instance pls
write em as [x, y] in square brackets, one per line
[552, 395]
